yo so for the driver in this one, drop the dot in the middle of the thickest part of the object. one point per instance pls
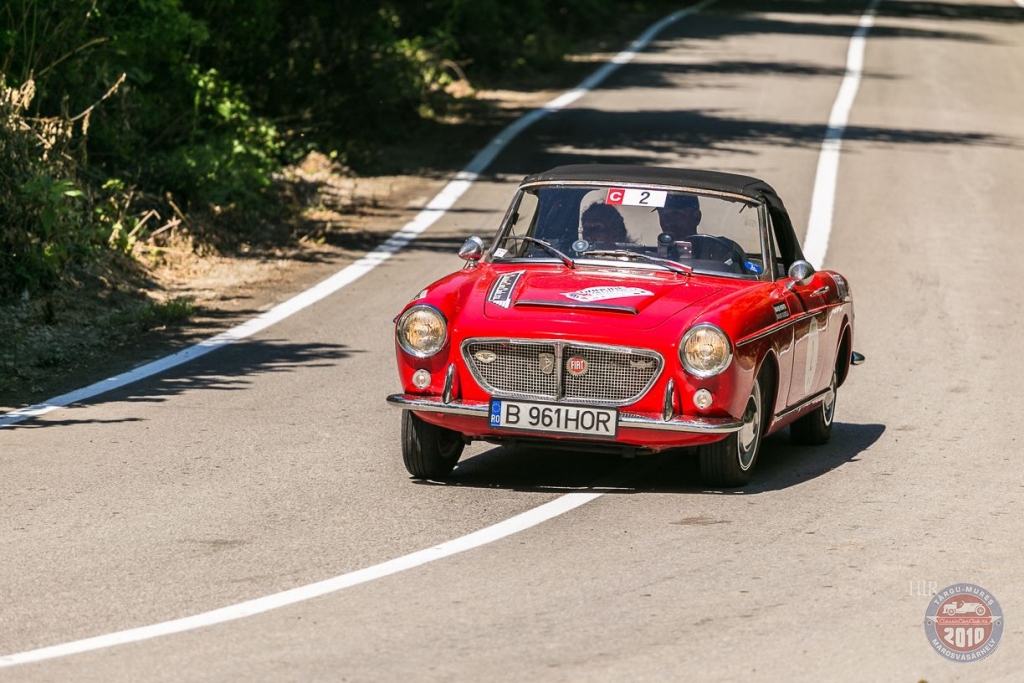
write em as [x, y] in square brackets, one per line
[603, 226]
[680, 216]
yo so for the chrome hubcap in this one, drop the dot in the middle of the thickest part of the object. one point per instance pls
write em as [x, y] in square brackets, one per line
[750, 433]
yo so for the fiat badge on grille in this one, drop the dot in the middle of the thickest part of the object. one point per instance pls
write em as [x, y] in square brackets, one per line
[485, 356]
[576, 366]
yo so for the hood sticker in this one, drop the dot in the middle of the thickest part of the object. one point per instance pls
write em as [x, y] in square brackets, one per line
[781, 311]
[602, 293]
[501, 290]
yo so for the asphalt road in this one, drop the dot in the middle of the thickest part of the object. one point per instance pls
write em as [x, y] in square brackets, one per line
[275, 463]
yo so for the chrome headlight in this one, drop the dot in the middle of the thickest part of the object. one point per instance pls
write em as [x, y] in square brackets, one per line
[705, 350]
[422, 331]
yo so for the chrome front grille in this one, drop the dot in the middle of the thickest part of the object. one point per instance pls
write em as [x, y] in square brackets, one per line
[516, 368]
[539, 369]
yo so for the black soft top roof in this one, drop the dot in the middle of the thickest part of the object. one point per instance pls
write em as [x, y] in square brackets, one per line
[659, 175]
[696, 179]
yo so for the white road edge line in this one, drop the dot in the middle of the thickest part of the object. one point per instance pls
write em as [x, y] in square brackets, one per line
[437, 207]
[434, 210]
[819, 225]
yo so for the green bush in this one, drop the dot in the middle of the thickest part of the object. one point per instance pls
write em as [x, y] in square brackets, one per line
[41, 206]
[230, 153]
[97, 89]
[109, 107]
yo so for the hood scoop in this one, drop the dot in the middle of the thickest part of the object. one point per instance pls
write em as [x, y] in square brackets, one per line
[606, 296]
[577, 305]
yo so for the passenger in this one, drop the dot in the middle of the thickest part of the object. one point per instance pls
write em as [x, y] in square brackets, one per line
[603, 227]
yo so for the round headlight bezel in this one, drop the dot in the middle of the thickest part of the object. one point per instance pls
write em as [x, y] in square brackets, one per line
[717, 369]
[401, 336]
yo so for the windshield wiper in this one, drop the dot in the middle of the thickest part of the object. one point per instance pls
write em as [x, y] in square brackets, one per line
[674, 266]
[546, 246]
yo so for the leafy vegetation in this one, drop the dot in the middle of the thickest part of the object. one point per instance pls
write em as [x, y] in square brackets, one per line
[118, 119]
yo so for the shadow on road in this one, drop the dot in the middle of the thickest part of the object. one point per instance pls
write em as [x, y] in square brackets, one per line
[1002, 12]
[699, 75]
[232, 368]
[726, 20]
[548, 470]
[642, 137]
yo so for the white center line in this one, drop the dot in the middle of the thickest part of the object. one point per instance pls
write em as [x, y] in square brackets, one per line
[819, 225]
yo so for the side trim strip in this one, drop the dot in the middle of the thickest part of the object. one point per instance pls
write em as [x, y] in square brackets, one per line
[803, 404]
[781, 325]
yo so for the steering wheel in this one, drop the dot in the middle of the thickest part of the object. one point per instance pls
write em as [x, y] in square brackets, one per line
[716, 248]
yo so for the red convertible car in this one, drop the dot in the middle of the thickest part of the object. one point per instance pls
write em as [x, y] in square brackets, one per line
[633, 308]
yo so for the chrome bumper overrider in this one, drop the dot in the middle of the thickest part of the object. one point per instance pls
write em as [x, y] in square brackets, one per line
[433, 404]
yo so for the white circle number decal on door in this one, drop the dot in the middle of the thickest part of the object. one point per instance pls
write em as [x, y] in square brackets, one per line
[812, 355]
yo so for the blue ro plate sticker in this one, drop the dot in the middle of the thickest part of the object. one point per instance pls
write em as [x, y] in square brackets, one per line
[592, 421]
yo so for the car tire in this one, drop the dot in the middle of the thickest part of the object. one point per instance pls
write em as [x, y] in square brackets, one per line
[728, 463]
[429, 451]
[815, 428]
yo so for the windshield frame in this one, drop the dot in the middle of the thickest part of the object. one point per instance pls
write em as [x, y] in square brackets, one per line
[757, 204]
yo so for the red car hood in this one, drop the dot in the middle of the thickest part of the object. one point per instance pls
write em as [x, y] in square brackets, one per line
[632, 299]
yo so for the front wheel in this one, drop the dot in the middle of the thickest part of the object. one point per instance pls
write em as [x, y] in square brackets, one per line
[429, 451]
[727, 463]
[815, 428]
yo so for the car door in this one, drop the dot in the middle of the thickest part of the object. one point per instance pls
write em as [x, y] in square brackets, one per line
[812, 345]
[805, 364]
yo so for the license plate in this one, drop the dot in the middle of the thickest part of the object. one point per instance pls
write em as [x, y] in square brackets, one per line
[549, 417]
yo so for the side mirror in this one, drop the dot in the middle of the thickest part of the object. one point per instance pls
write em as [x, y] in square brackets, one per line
[802, 272]
[472, 249]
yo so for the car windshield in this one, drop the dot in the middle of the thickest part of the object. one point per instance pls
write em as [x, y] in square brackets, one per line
[707, 233]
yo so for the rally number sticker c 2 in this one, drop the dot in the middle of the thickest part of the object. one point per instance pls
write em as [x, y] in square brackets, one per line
[635, 197]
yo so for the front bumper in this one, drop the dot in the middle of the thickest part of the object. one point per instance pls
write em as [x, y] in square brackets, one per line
[679, 423]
